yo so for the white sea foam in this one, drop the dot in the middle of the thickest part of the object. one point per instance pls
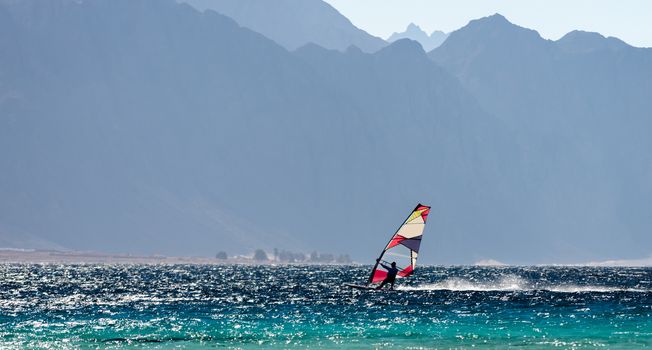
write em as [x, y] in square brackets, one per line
[459, 284]
[513, 283]
[490, 262]
[645, 262]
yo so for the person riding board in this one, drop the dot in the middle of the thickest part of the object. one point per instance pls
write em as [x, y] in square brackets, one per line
[392, 271]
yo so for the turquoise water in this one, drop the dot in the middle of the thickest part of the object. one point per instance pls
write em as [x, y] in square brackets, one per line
[190, 306]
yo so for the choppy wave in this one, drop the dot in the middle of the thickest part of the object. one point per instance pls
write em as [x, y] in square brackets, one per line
[281, 307]
[513, 283]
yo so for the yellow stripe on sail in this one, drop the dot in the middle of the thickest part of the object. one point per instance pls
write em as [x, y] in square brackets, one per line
[415, 214]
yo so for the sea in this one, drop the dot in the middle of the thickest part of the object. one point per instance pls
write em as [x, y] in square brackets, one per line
[84, 306]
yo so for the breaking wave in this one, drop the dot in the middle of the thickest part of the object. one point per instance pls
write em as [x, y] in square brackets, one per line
[513, 283]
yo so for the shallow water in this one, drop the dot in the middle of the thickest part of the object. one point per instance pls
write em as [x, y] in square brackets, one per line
[192, 306]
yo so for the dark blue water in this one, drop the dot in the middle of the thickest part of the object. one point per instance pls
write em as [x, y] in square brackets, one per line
[194, 306]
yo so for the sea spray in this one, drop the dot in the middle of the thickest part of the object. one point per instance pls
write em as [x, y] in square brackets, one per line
[514, 283]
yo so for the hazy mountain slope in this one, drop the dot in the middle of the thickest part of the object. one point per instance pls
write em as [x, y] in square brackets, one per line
[121, 133]
[439, 145]
[414, 32]
[580, 108]
[294, 23]
[147, 127]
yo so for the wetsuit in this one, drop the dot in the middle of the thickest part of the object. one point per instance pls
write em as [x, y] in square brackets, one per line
[391, 276]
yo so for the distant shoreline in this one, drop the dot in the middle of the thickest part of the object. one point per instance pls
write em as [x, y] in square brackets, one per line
[38, 256]
[42, 256]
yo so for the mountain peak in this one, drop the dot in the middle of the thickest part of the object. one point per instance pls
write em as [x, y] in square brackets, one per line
[497, 17]
[493, 22]
[404, 52]
[579, 41]
[495, 31]
[414, 28]
[494, 38]
[414, 32]
[407, 46]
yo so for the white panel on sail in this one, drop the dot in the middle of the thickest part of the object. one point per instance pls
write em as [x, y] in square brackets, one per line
[411, 230]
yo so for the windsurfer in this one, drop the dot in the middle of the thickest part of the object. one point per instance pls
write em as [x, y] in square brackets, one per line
[392, 271]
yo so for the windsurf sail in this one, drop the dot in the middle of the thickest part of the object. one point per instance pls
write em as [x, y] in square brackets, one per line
[403, 247]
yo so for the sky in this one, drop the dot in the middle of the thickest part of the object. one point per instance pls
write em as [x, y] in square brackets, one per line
[628, 20]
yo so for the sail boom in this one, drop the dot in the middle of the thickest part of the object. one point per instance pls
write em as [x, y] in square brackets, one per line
[397, 254]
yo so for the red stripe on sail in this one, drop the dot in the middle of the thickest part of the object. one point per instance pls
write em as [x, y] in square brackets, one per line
[395, 241]
[379, 276]
[406, 271]
[426, 211]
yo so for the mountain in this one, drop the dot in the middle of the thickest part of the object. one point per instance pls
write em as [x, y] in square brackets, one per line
[414, 32]
[116, 130]
[579, 41]
[294, 23]
[145, 126]
[436, 144]
[580, 109]
[148, 127]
